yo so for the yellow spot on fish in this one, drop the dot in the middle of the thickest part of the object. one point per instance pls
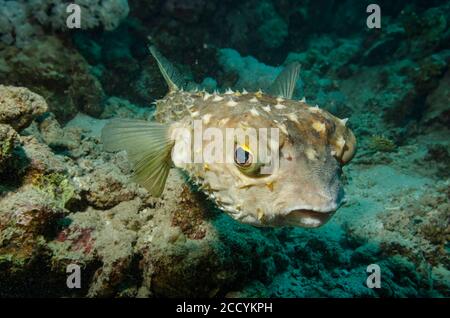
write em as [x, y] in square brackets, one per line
[319, 127]
[269, 185]
[245, 147]
[259, 93]
[206, 167]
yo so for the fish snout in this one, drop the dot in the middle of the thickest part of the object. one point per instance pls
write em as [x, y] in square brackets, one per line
[312, 216]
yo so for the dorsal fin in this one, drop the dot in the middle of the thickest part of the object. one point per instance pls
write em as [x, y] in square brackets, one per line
[171, 75]
[148, 146]
[284, 84]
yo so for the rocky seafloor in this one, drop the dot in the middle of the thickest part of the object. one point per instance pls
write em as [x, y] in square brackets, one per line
[63, 200]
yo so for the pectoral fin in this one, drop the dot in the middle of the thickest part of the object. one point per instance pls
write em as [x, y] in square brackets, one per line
[284, 84]
[148, 146]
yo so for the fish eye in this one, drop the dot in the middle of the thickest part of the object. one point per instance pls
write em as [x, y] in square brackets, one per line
[242, 157]
[244, 160]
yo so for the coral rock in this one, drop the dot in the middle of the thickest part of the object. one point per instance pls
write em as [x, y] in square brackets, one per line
[19, 106]
[56, 71]
[8, 137]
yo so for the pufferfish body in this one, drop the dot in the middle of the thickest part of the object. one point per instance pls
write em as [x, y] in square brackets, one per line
[303, 189]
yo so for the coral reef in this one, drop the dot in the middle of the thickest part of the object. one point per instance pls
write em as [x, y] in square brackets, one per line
[15, 26]
[8, 138]
[249, 72]
[19, 106]
[72, 208]
[104, 13]
[437, 103]
[22, 21]
[43, 66]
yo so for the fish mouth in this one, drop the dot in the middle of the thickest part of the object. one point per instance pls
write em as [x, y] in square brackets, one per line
[307, 218]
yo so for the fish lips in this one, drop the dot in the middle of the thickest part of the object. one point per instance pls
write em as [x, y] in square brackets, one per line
[306, 218]
[312, 217]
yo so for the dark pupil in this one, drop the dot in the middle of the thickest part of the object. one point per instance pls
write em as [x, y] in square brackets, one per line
[242, 156]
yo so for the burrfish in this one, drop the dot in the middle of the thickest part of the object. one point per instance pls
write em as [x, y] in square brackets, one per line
[292, 179]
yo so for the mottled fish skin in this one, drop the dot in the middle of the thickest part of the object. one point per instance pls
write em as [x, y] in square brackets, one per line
[305, 190]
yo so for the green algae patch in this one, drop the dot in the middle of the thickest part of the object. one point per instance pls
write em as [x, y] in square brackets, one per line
[8, 137]
[381, 144]
[57, 187]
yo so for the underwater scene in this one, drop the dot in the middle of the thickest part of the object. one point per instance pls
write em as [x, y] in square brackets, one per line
[224, 148]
